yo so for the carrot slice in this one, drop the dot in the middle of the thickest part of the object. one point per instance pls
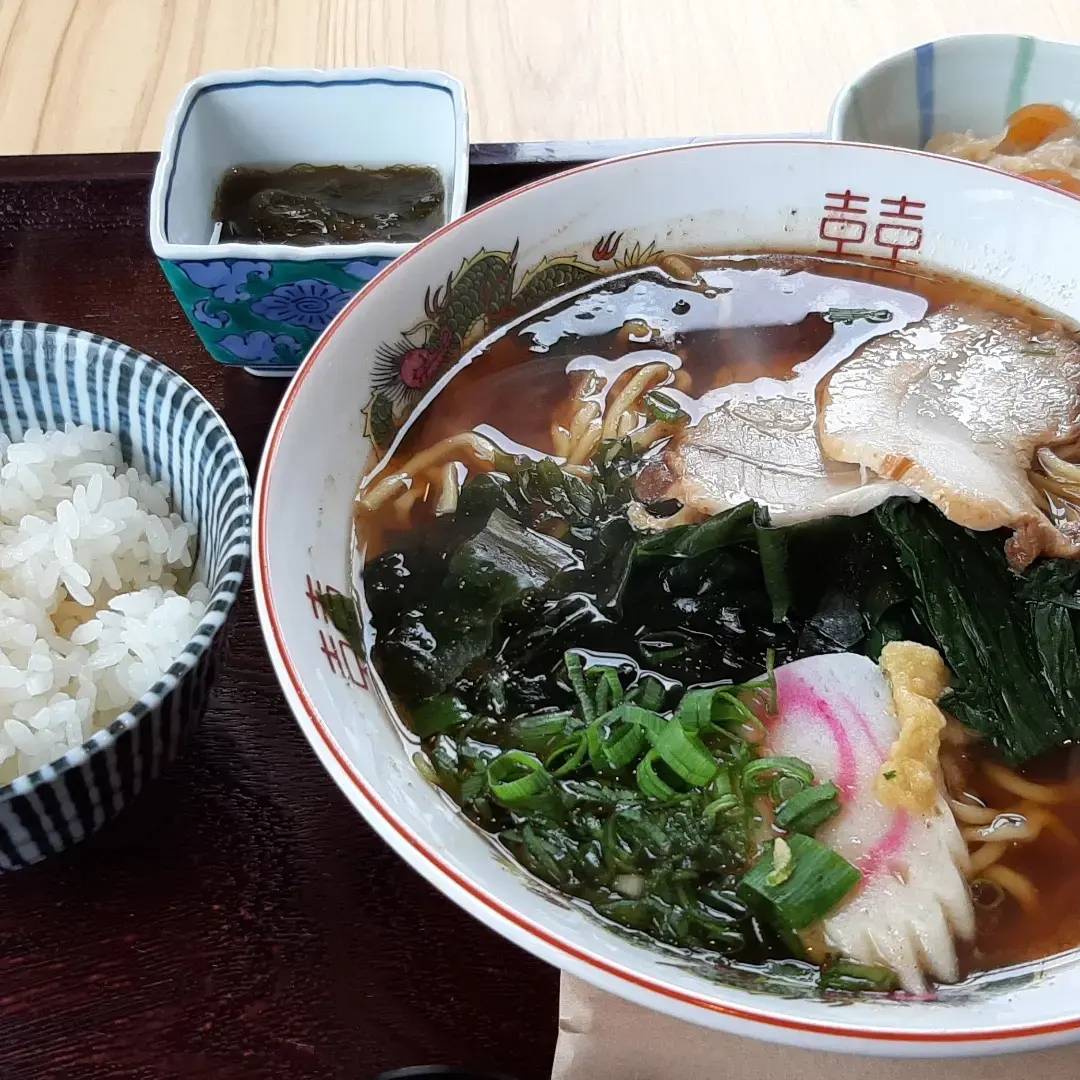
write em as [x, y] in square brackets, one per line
[1058, 178]
[1032, 125]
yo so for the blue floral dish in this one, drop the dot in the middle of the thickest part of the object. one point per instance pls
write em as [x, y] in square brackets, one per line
[49, 376]
[263, 306]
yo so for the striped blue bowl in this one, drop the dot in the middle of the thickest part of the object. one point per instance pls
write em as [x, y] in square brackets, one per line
[968, 82]
[50, 375]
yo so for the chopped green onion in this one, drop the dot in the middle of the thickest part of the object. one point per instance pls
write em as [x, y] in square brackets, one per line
[729, 712]
[722, 783]
[650, 782]
[516, 778]
[567, 757]
[695, 711]
[440, 713]
[616, 739]
[711, 708]
[661, 406]
[536, 732]
[807, 810]
[609, 691]
[853, 977]
[649, 693]
[425, 768]
[819, 879]
[724, 805]
[652, 723]
[770, 675]
[575, 672]
[684, 754]
[759, 775]
[787, 787]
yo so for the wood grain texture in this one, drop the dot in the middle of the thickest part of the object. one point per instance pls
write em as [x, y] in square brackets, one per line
[240, 920]
[100, 75]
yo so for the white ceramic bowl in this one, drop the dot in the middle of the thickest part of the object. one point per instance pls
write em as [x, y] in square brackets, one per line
[969, 82]
[760, 195]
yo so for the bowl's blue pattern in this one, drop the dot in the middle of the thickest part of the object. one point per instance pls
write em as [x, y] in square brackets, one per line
[265, 313]
[50, 375]
[933, 83]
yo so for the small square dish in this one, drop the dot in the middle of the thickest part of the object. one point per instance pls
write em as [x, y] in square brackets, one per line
[262, 305]
[968, 82]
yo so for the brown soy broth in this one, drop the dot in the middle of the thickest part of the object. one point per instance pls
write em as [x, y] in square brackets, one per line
[759, 318]
[516, 383]
[1006, 935]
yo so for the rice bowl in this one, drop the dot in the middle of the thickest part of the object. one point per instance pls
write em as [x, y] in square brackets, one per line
[121, 486]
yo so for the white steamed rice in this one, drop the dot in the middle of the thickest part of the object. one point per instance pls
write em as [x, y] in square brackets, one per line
[96, 598]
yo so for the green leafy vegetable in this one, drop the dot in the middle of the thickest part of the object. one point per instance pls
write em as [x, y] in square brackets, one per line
[523, 559]
[1010, 644]
[734, 526]
[772, 545]
[1053, 581]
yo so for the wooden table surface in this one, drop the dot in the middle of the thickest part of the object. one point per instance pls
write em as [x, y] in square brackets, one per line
[98, 75]
[240, 920]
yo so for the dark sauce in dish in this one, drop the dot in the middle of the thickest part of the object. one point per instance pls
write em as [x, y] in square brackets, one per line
[329, 204]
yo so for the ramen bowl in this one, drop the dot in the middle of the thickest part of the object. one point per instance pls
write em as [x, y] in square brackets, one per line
[374, 363]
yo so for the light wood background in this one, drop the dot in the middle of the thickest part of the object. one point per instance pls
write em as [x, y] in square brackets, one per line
[98, 75]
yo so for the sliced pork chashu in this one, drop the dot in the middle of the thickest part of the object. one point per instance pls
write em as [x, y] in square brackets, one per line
[955, 410]
[765, 449]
